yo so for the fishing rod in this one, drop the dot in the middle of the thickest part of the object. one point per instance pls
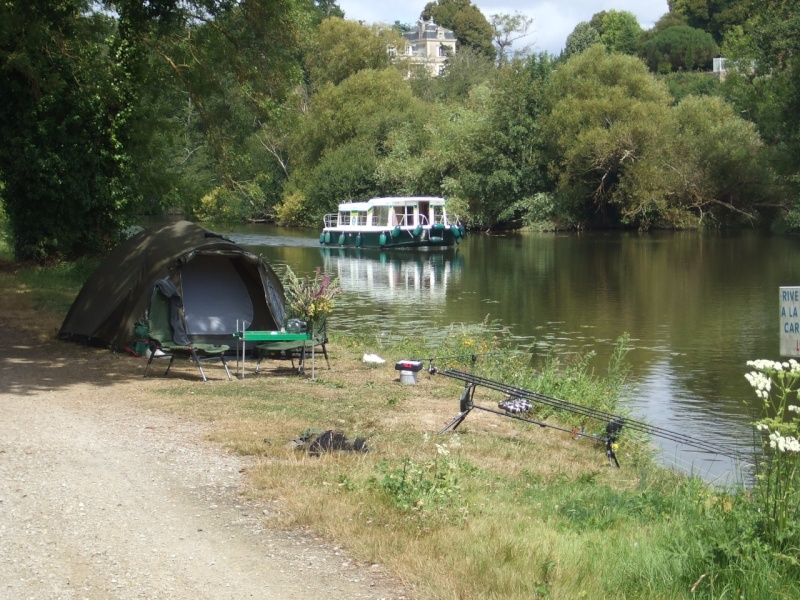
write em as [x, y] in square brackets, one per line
[515, 407]
[615, 422]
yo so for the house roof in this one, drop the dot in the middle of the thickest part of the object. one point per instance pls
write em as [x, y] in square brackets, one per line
[428, 30]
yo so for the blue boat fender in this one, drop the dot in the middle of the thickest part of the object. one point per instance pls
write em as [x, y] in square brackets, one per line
[359, 240]
[327, 237]
[321, 238]
[341, 239]
[417, 230]
[396, 232]
[382, 239]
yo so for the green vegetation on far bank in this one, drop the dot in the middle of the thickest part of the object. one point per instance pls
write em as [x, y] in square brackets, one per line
[279, 109]
[500, 509]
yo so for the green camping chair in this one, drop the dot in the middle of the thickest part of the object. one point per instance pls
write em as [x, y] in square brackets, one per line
[295, 349]
[162, 332]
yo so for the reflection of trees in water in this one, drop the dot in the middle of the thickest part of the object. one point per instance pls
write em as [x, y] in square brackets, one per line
[397, 276]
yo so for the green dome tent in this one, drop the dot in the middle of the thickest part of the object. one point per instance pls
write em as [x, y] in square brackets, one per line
[221, 285]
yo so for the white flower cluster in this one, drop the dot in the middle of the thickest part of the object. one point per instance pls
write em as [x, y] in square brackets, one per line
[760, 383]
[783, 443]
[794, 408]
[762, 427]
[762, 364]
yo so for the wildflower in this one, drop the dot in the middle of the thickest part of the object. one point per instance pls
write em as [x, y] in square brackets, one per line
[311, 299]
[794, 408]
[784, 443]
[442, 450]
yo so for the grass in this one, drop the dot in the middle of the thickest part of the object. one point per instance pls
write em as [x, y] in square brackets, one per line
[498, 509]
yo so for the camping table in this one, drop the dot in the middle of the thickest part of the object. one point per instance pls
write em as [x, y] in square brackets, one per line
[265, 336]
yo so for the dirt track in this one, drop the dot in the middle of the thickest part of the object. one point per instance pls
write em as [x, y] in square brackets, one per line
[100, 498]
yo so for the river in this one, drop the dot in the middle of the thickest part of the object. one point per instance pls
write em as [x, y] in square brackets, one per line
[697, 307]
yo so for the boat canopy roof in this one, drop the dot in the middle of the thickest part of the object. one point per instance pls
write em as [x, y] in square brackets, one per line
[354, 206]
[390, 201]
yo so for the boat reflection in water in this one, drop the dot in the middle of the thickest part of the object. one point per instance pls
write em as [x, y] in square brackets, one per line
[400, 277]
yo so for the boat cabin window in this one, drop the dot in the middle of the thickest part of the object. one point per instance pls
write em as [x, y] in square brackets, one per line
[438, 214]
[344, 218]
[358, 219]
[404, 216]
[380, 215]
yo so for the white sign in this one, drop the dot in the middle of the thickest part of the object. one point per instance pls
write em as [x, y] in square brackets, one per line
[790, 321]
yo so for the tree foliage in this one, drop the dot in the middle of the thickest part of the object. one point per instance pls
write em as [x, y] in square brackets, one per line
[61, 158]
[94, 98]
[606, 117]
[360, 113]
[620, 31]
[342, 48]
[462, 72]
[581, 38]
[763, 60]
[508, 29]
[484, 154]
[621, 153]
[714, 16]
[466, 21]
[679, 48]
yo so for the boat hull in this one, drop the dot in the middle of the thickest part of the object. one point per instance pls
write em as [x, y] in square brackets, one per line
[399, 237]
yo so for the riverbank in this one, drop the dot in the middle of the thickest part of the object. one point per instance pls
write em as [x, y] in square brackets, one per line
[502, 510]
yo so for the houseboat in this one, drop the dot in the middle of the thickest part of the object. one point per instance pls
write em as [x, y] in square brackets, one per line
[397, 222]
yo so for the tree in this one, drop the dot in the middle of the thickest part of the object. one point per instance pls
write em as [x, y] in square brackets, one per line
[581, 38]
[623, 155]
[232, 66]
[764, 81]
[507, 30]
[620, 32]
[60, 159]
[462, 72]
[325, 9]
[342, 48]
[484, 153]
[465, 20]
[360, 113]
[605, 120]
[679, 48]
[714, 16]
[77, 104]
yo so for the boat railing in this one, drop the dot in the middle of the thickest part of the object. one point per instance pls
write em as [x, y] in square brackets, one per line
[331, 220]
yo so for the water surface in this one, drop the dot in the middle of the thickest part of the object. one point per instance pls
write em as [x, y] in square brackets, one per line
[697, 307]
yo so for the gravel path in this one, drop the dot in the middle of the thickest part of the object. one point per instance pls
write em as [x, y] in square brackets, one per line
[101, 499]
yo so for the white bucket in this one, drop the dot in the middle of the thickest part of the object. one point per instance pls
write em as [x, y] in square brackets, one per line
[408, 377]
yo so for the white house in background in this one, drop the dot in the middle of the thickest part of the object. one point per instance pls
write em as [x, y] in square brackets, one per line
[430, 45]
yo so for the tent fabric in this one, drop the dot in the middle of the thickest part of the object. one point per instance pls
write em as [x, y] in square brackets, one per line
[176, 323]
[220, 284]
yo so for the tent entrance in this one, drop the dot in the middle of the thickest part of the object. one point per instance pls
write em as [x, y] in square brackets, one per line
[215, 296]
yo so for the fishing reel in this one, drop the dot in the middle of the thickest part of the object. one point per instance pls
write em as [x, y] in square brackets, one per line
[613, 430]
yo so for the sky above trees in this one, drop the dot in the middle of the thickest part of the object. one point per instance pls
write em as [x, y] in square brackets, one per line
[553, 19]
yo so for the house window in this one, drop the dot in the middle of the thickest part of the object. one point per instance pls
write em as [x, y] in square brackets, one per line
[440, 69]
[440, 51]
[392, 51]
